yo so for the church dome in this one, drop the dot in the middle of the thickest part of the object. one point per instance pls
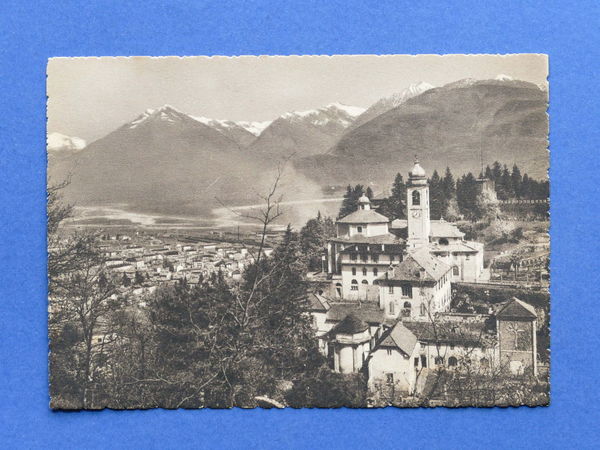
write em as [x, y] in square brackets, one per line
[417, 171]
[364, 199]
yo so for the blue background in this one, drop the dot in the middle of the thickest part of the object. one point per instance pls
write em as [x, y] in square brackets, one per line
[568, 31]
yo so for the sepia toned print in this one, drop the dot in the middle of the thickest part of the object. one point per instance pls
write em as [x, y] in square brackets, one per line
[298, 231]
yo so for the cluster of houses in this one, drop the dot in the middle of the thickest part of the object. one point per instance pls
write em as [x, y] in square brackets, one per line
[384, 307]
[159, 260]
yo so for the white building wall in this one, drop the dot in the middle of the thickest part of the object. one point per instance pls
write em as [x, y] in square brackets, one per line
[391, 361]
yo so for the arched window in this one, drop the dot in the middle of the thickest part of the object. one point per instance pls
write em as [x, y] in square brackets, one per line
[485, 363]
[354, 271]
[364, 271]
[455, 271]
[443, 241]
[439, 361]
[354, 285]
[338, 289]
[416, 198]
[375, 271]
[365, 282]
[406, 309]
[452, 362]
[391, 308]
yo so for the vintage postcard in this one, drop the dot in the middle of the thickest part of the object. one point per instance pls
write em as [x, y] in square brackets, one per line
[298, 231]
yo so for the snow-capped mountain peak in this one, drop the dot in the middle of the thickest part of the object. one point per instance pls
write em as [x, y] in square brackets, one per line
[503, 77]
[61, 142]
[252, 127]
[165, 113]
[411, 91]
[333, 113]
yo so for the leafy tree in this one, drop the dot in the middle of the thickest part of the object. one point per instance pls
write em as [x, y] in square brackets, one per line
[369, 193]
[313, 239]
[328, 389]
[80, 295]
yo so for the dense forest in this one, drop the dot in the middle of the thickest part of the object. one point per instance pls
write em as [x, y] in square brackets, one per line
[452, 198]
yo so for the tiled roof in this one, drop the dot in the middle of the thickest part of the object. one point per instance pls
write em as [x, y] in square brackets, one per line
[517, 309]
[349, 325]
[418, 266]
[441, 228]
[387, 238]
[368, 312]
[399, 336]
[472, 334]
[364, 216]
[453, 247]
[318, 302]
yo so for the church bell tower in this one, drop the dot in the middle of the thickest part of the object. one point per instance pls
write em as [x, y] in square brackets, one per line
[417, 203]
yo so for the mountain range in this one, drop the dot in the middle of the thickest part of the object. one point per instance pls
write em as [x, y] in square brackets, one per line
[167, 161]
[460, 125]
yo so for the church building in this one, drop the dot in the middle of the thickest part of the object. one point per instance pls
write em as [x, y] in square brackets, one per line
[388, 309]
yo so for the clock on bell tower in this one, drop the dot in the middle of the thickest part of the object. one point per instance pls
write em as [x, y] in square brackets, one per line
[417, 202]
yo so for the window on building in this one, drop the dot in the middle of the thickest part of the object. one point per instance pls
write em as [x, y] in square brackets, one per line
[452, 362]
[338, 289]
[455, 271]
[424, 361]
[467, 257]
[359, 229]
[375, 271]
[364, 271]
[416, 198]
[423, 310]
[443, 241]
[485, 363]
[365, 282]
[354, 271]
[375, 258]
[390, 289]
[391, 308]
[417, 362]
[407, 290]
[389, 352]
[439, 361]
[354, 285]
[391, 258]
[353, 256]
[364, 257]
[406, 309]
[389, 378]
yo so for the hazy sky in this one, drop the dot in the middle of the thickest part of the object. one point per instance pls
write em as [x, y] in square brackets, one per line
[90, 97]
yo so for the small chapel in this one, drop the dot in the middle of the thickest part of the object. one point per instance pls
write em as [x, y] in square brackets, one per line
[387, 311]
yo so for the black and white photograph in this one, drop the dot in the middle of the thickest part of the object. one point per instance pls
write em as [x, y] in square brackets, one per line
[298, 231]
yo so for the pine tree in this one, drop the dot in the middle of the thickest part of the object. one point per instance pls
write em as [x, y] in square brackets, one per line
[466, 195]
[516, 181]
[496, 171]
[350, 202]
[393, 207]
[369, 193]
[437, 199]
